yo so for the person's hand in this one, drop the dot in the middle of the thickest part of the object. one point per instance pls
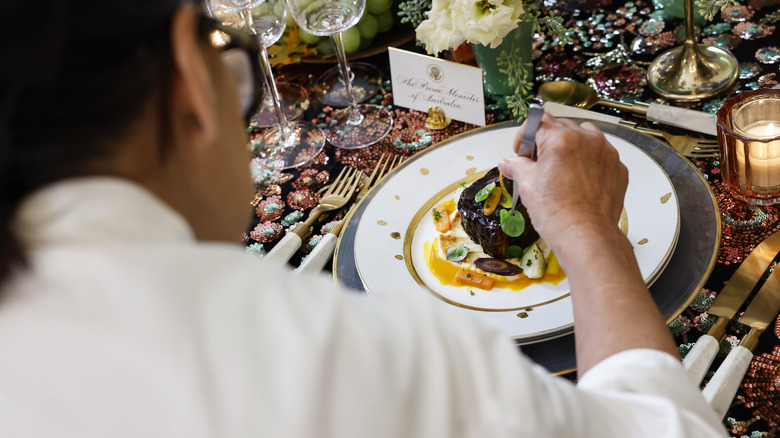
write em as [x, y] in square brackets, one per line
[574, 194]
[577, 184]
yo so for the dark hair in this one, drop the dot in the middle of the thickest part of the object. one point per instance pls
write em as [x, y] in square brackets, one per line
[76, 73]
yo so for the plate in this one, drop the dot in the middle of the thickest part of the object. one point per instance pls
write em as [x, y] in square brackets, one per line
[533, 314]
[688, 268]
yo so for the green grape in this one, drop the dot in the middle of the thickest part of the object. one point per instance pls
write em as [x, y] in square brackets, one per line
[325, 47]
[308, 38]
[378, 6]
[384, 21]
[261, 10]
[367, 26]
[351, 38]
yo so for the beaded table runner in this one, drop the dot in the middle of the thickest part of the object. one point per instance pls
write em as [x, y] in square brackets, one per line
[613, 44]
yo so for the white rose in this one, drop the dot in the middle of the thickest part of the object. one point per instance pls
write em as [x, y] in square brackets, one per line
[437, 32]
[483, 24]
[450, 23]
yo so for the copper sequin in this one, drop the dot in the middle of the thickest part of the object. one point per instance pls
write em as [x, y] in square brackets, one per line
[619, 81]
[651, 27]
[560, 66]
[265, 176]
[743, 226]
[311, 179]
[723, 41]
[768, 55]
[266, 232]
[270, 209]
[768, 80]
[752, 31]
[302, 199]
[762, 387]
[736, 14]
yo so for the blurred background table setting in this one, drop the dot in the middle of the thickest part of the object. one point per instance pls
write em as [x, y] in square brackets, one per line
[688, 89]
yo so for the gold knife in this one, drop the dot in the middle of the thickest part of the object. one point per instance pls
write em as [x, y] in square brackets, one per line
[726, 304]
[764, 308]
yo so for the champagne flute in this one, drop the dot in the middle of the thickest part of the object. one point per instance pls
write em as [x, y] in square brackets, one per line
[288, 144]
[356, 126]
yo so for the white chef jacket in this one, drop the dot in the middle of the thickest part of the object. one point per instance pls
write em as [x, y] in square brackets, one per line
[124, 326]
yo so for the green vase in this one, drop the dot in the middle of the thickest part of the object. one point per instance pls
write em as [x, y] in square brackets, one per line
[669, 9]
[518, 42]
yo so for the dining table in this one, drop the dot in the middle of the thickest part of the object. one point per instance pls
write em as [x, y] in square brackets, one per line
[613, 43]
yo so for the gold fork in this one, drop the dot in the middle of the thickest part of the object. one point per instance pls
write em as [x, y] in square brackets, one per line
[687, 145]
[321, 253]
[337, 196]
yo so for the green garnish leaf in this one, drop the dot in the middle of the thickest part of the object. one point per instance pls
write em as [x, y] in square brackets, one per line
[513, 252]
[512, 223]
[462, 184]
[506, 199]
[436, 215]
[485, 192]
[457, 253]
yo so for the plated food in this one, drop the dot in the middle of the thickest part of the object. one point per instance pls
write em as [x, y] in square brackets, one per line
[481, 243]
[390, 238]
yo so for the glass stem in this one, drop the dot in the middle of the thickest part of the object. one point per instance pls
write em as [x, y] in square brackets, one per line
[268, 101]
[270, 83]
[355, 118]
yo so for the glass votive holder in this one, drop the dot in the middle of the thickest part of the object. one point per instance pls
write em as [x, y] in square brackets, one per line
[749, 139]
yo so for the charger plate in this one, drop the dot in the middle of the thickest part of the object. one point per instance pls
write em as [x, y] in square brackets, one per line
[688, 267]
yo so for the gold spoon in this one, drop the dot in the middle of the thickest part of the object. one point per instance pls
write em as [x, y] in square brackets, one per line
[582, 96]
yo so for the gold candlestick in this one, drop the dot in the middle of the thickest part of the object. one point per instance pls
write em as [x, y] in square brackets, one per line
[692, 71]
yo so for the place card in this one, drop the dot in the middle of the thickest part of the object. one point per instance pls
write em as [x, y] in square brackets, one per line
[421, 82]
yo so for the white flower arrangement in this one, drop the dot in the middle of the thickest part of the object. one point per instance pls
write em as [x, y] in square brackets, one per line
[442, 25]
[487, 22]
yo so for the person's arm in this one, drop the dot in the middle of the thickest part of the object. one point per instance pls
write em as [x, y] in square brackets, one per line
[574, 194]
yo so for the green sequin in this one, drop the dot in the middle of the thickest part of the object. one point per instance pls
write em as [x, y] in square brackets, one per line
[255, 249]
[313, 242]
[292, 218]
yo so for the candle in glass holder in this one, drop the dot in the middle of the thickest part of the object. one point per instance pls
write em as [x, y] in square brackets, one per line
[764, 156]
[749, 134]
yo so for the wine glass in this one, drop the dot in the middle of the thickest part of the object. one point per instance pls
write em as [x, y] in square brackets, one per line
[293, 98]
[355, 126]
[364, 78]
[287, 144]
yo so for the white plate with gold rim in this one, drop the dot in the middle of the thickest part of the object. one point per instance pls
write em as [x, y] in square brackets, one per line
[390, 235]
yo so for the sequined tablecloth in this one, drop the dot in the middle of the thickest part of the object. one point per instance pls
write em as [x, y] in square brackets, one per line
[614, 43]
